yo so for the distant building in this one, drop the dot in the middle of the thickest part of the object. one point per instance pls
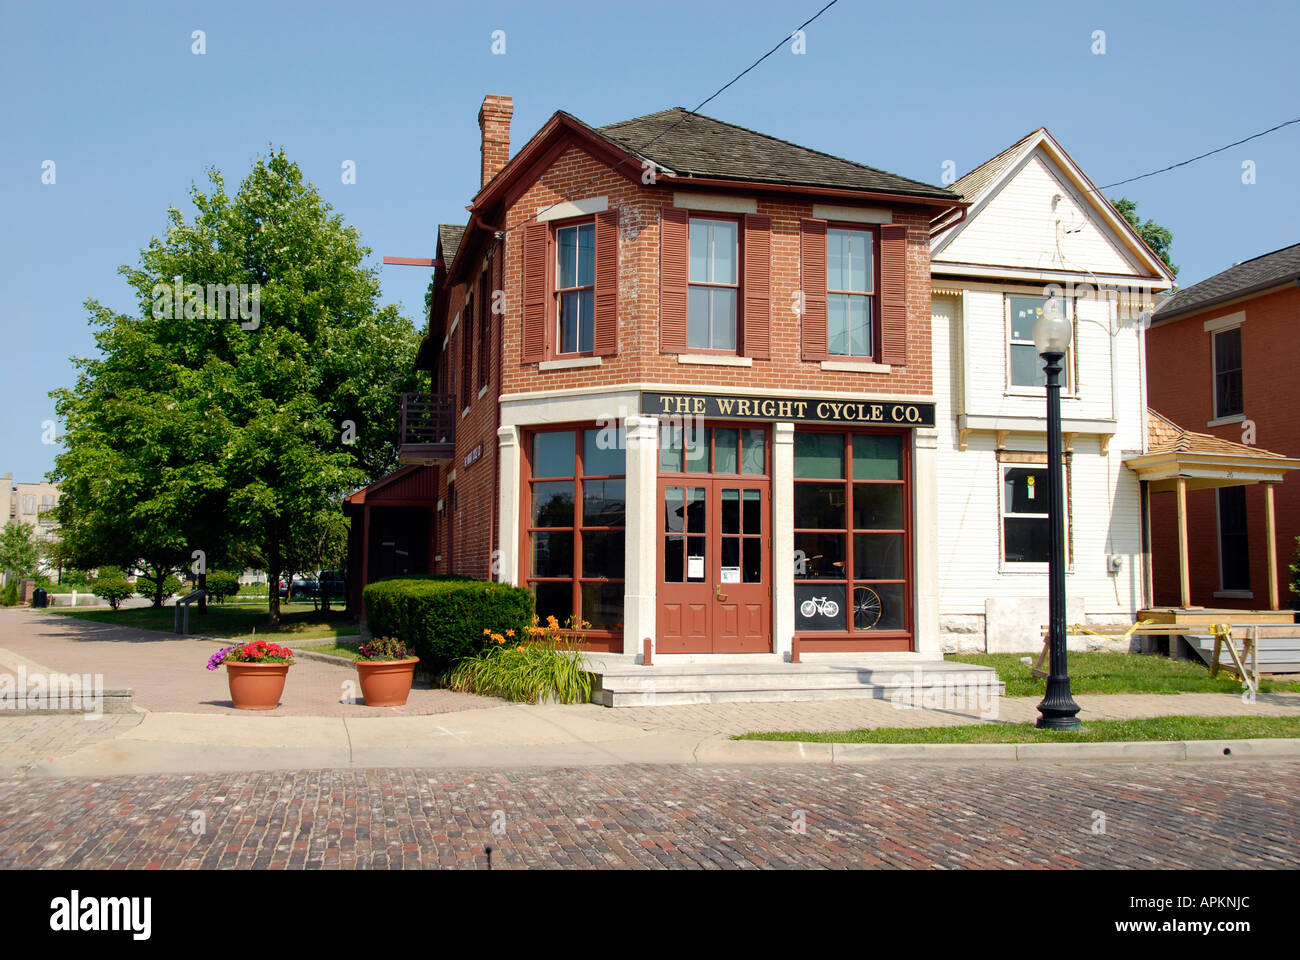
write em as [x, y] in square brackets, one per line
[31, 503]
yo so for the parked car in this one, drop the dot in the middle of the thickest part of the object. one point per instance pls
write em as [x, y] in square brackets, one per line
[333, 584]
[305, 587]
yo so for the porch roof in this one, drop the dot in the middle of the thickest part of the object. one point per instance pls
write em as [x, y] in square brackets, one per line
[1202, 460]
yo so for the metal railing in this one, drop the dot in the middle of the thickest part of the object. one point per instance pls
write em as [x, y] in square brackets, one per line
[185, 601]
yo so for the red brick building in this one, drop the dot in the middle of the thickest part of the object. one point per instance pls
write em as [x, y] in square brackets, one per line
[1222, 357]
[682, 390]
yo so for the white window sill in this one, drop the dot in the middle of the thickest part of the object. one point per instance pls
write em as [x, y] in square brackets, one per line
[1235, 594]
[482, 390]
[1034, 568]
[464, 413]
[570, 363]
[1223, 421]
[711, 360]
[856, 366]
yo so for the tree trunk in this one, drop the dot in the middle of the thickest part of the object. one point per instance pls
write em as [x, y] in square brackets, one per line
[273, 584]
[158, 578]
[203, 585]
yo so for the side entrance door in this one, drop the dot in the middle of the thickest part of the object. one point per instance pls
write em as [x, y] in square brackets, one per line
[715, 593]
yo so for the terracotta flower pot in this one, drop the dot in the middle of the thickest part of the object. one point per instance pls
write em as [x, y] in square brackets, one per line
[256, 686]
[386, 683]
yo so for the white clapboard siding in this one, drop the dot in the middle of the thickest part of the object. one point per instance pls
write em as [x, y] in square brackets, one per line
[1018, 227]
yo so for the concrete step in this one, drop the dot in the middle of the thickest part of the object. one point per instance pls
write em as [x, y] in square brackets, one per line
[631, 685]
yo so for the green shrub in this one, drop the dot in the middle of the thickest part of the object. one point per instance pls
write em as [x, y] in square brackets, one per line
[528, 670]
[10, 595]
[445, 619]
[172, 586]
[114, 590]
[222, 585]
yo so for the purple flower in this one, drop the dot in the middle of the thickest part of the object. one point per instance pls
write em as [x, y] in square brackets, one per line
[218, 658]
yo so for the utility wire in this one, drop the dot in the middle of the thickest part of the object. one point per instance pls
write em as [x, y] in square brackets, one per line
[698, 107]
[1183, 163]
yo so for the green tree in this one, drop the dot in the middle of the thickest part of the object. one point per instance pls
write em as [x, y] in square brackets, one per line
[1159, 239]
[205, 427]
[20, 554]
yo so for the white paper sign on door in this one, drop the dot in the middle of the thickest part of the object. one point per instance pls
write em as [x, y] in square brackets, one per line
[731, 574]
[695, 568]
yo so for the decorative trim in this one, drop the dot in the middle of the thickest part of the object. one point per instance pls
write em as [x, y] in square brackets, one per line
[850, 366]
[570, 363]
[451, 477]
[713, 360]
[963, 437]
[829, 211]
[1001, 443]
[573, 208]
[1222, 323]
[1103, 441]
[714, 201]
[641, 386]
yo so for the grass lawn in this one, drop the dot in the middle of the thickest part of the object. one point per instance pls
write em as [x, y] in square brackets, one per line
[333, 649]
[1100, 672]
[1096, 731]
[298, 621]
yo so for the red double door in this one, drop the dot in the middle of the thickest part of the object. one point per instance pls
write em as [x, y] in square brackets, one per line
[715, 589]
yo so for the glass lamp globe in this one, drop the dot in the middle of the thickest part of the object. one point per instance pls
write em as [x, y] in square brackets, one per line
[1052, 331]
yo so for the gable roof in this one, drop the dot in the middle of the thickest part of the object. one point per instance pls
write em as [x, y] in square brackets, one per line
[449, 237]
[1165, 436]
[1250, 276]
[982, 184]
[691, 144]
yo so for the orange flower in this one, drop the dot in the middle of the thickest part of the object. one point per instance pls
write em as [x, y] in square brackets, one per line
[520, 648]
[487, 632]
[510, 633]
[500, 639]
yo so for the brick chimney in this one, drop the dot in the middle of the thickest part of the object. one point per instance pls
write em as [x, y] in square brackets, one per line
[494, 122]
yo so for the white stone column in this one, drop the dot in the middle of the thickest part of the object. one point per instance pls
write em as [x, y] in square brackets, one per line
[782, 538]
[925, 540]
[509, 508]
[641, 572]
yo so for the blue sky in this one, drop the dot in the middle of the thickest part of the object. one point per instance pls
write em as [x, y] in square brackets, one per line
[131, 117]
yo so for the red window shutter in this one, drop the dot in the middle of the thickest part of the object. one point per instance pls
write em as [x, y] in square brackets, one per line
[536, 244]
[757, 317]
[466, 353]
[605, 334]
[893, 294]
[674, 245]
[812, 272]
[484, 325]
[494, 320]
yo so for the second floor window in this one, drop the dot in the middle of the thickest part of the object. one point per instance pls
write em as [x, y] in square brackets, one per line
[850, 293]
[575, 287]
[1025, 365]
[1228, 401]
[713, 285]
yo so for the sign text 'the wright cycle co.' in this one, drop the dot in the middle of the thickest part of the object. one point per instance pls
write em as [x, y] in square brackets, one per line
[802, 409]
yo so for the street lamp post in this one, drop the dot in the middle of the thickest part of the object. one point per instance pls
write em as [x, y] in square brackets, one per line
[1052, 332]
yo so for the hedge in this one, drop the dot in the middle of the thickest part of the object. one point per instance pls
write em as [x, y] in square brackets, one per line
[444, 617]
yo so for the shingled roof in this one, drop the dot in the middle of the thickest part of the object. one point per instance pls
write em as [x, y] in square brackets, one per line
[691, 144]
[450, 236]
[974, 183]
[1165, 436]
[1269, 270]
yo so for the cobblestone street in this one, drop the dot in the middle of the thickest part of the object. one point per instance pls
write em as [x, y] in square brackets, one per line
[910, 815]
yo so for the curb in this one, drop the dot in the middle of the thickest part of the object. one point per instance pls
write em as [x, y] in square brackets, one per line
[1155, 751]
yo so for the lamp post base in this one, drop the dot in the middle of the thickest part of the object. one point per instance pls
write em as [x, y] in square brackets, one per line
[1058, 711]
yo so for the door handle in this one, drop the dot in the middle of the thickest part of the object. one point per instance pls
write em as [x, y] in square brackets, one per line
[718, 594]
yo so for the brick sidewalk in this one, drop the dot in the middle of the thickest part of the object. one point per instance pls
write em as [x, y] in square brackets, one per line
[1187, 816]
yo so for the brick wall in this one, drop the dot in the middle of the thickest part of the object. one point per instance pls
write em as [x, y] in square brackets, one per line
[1180, 379]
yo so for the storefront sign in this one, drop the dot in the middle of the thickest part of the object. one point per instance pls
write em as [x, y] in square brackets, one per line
[473, 455]
[889, 413]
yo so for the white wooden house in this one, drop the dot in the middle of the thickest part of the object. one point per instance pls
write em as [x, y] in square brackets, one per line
[1036, 225]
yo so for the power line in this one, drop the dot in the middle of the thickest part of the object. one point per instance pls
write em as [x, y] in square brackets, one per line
[777, 46]
[1183, 163]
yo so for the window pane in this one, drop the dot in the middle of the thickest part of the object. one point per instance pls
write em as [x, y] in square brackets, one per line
[1026, 539]
[602, 503]
[725, 444]
[848, 260]
[877, 457]
[860, 326]
[730, 511]
[697, 318]
[674, 510]
[724, 318]
[893, 613]
[877, 506]
[572, 316]
[696, 510]
[819, 556]
[1024, 311]
[837, 325]
[752, 562]
[602, 605]
[818, 454]
[603, 554]
[1228, 398]
[604, 452]
[586, 255]
[697, 449]
[699, 250]
[1234, 551]
[695, 547]
[1227, 350]
[730, 555]
[674, 559]
[878, 556]
[553, 504]
[671, 453]
[566, 242]
[861, 274]
[837, 260]
[1026, 367]
[554, 600]
[754, 452]
[819, 506]
[553, 554]
[869, 605]
[1025, 490]
[553, 454]
[753, 520]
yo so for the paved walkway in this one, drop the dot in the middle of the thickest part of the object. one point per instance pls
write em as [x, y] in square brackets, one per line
[1184, 817]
